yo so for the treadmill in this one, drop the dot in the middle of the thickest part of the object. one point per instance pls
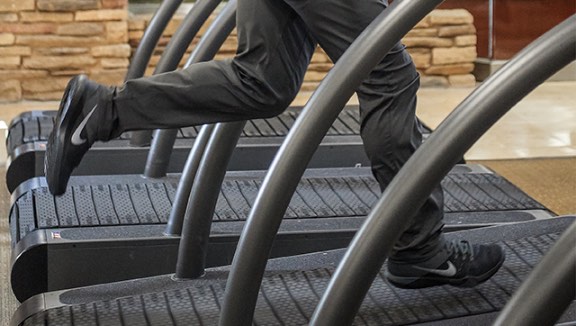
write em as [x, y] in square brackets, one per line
[114, 225]
[106, 228]
[28, 133]
[293, 286]
[309, 288]
[100, 213]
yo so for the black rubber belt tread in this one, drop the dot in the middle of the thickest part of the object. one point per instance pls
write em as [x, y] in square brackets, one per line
[300, 208]
[142, 204]
[103, 205]
[348, 196]
[287, 120]
[494, 190]
[355, 114]
[223, 210]
[326, 197]
[85, 205]
[25, 217]
[46, 124]
[459, 193]
[125, 136]
[264, 128]
[341, 128]
[38, 127]
[362, 191]
[15, 137]
[518, 195]
[14, 225]
[250, 189]
[66, 209]
[122, 204]
[237, 202]
[188, 132]
[278, 126]
[160, 201]
[45, 203]
[351, 123]
[483, 191]
[31, 132]
[467, 184]
[332, 200]
[289, 298]
[313, 200]
[250, 130]
[171, 188]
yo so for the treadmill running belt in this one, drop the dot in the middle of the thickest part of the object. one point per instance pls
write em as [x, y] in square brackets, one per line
[259, 142]
[289, 297]
[36, 126]
[134, 202]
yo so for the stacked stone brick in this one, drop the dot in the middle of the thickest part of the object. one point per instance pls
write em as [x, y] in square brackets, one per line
[45, 42]
[443, 46]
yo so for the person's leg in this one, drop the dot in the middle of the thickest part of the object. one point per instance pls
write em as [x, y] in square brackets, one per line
[390, 130]
[274, 51]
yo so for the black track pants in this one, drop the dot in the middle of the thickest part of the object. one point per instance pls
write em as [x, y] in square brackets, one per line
[276, 41]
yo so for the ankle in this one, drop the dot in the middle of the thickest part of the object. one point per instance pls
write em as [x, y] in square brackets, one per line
[432, 248]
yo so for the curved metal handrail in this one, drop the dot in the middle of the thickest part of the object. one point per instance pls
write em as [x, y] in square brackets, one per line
[175, 50]
[413, 184]
[182, 196]
[295, 153]
[205, 50]
[152, 34]
[204, 195]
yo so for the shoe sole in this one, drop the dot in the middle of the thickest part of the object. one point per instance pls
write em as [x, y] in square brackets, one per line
[60, 138]
[430, 281]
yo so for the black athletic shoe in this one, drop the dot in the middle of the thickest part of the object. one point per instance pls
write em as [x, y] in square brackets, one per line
[69, 140]
[467, 265]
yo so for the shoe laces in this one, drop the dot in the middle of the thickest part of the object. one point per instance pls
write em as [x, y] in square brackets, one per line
[460, 249]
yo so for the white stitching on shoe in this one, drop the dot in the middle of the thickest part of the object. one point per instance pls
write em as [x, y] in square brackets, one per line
[76, 139]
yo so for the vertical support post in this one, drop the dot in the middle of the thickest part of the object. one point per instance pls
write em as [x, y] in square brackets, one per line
[293, 157]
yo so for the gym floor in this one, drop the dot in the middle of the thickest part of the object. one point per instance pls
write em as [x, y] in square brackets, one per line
[533, 145]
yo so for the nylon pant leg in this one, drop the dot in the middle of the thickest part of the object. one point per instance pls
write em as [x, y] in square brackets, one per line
[274, 51]
[390, 130]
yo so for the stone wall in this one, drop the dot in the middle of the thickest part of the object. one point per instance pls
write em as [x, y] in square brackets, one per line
[45, 42]
[442, 45]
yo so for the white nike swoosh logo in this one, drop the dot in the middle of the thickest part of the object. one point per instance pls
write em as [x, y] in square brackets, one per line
[76, 138]
[448, 272]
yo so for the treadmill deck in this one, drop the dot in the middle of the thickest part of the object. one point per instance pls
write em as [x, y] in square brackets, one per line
[289, 295]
